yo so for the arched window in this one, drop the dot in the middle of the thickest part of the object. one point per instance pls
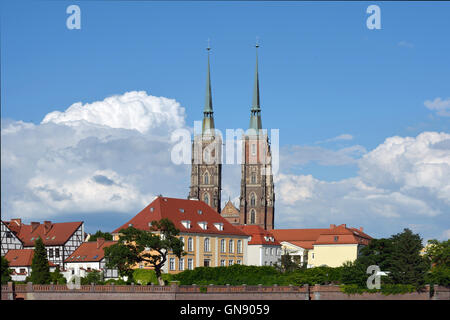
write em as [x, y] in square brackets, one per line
[253, 177]
[231, 246]
[222, 245]
[206, 198]
[252, 217]
[252, 200]
[239, 246]
[206, 178]
[190, 244]
[207, 247]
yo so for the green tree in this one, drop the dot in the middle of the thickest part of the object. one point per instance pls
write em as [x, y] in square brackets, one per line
[40, 271]
[99, 234]
[285, 263]
[92, 277]
[132, 248]
[57, 277]
[438, 255]
[407, 266]
[5, 271]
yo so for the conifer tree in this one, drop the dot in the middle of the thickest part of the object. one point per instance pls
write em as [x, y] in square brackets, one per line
[40, 271]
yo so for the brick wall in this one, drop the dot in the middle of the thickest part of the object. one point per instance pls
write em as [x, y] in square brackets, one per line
[211, 292]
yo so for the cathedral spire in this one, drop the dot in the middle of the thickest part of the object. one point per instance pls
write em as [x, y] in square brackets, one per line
[208, 120]
[255, 117]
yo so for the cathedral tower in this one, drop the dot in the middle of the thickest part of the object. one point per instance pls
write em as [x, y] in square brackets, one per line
[206, 170]
[257, 189]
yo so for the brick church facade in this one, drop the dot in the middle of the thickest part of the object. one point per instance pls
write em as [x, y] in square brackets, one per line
[257, 194]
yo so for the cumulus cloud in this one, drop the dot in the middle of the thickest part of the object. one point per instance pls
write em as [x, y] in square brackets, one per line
[404, 180]
[341, 137]
[442, 107]
[107, 156]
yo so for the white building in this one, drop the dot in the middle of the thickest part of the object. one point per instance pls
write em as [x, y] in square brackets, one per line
[90, 256]
[263, 248]
[20, 263]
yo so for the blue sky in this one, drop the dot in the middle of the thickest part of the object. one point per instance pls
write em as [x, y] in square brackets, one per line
[323, 73]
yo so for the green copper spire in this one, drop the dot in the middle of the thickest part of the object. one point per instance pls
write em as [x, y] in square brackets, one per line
[255, 117]
[208, 120]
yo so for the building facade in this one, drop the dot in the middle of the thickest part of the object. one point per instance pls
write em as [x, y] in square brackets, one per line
[9, 240]
[263, 248]
[20, 261]
[209, 239]
[206, 166]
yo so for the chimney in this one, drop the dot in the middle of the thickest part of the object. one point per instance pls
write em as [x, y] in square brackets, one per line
[17, 221]
[344, 225]
[47, 226]
[332, 226]
[361, 229]
[34, 226]
[100, 242]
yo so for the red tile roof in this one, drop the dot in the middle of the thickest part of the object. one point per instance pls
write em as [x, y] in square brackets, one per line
[91, 251]
[52, 234]
[259, 235]
[307, 238]
[178, 210]
[22, 258]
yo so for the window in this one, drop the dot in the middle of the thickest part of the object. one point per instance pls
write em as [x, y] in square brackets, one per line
[253, 178]
[312, 255]
[172, 263]
[252, 216]
[239, 246]
[207, 247]
[190, 244]
[50, 253]
[206, 262]
[190, 264]
[238, 261]
[181, 264]
[336, 238]
[222, 246]
[219, 226]
[203, 225]
[206, 198]
[231, 246]
[182, 240]
[57, 252]
[267, 251]
[186, 224]
[253, 149]
[222, 263]
[206, 178]
[8, 234]
[181, 210]
[22, 270]
[271, 251]
[230, 262]
[252, 200]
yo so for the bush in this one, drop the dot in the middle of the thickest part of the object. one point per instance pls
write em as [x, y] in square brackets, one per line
[92, 277]
[385, 289]
[145, 276]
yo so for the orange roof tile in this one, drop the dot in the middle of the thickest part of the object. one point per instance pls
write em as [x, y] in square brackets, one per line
[22, 258]
[91, 251]
[51, 233]
[259, 235]
[178, 210]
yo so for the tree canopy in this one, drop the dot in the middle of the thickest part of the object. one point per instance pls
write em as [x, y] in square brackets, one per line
[151, 247]
[100, 234]
[5, 271]
[40, 270]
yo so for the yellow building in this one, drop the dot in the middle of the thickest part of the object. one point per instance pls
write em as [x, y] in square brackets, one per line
[323, 247]
[209, 239]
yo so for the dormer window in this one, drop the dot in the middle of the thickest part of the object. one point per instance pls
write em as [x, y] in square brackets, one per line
[336, 238]
[181, 210]
[219, 226]
[199, 211]
[203, 225]
[152, 209]
[130, 224]
[186, 224]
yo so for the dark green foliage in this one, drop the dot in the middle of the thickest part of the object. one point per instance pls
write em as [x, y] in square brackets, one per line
[92, 277]
[99, 234]
[386, 289]
[57, 277]
[438, 255]
[5, 271]
[407, 265]
[312, 276]
[131, 248]
[40, 271]
[286, 263]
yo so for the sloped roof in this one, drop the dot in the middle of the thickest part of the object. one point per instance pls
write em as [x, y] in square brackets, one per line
[178, 210]
[91, 251]
[54, 234]
[259, 235]
[230, 210]
[22, 258]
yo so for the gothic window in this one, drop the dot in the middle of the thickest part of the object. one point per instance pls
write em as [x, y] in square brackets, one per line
[206, 178]
[253, 149]
[253, 177]
[206, 198]
[252, 200]
[252, 216]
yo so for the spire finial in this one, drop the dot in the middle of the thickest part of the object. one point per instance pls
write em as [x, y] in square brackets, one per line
[255, 118]
[209, 47]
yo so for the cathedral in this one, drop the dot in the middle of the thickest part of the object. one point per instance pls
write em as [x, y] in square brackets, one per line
[257, 195]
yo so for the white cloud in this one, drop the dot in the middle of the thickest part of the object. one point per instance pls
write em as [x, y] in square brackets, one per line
[341, 137]
[403, 181]
[442, 107]
[405, 44]
[107, 156]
